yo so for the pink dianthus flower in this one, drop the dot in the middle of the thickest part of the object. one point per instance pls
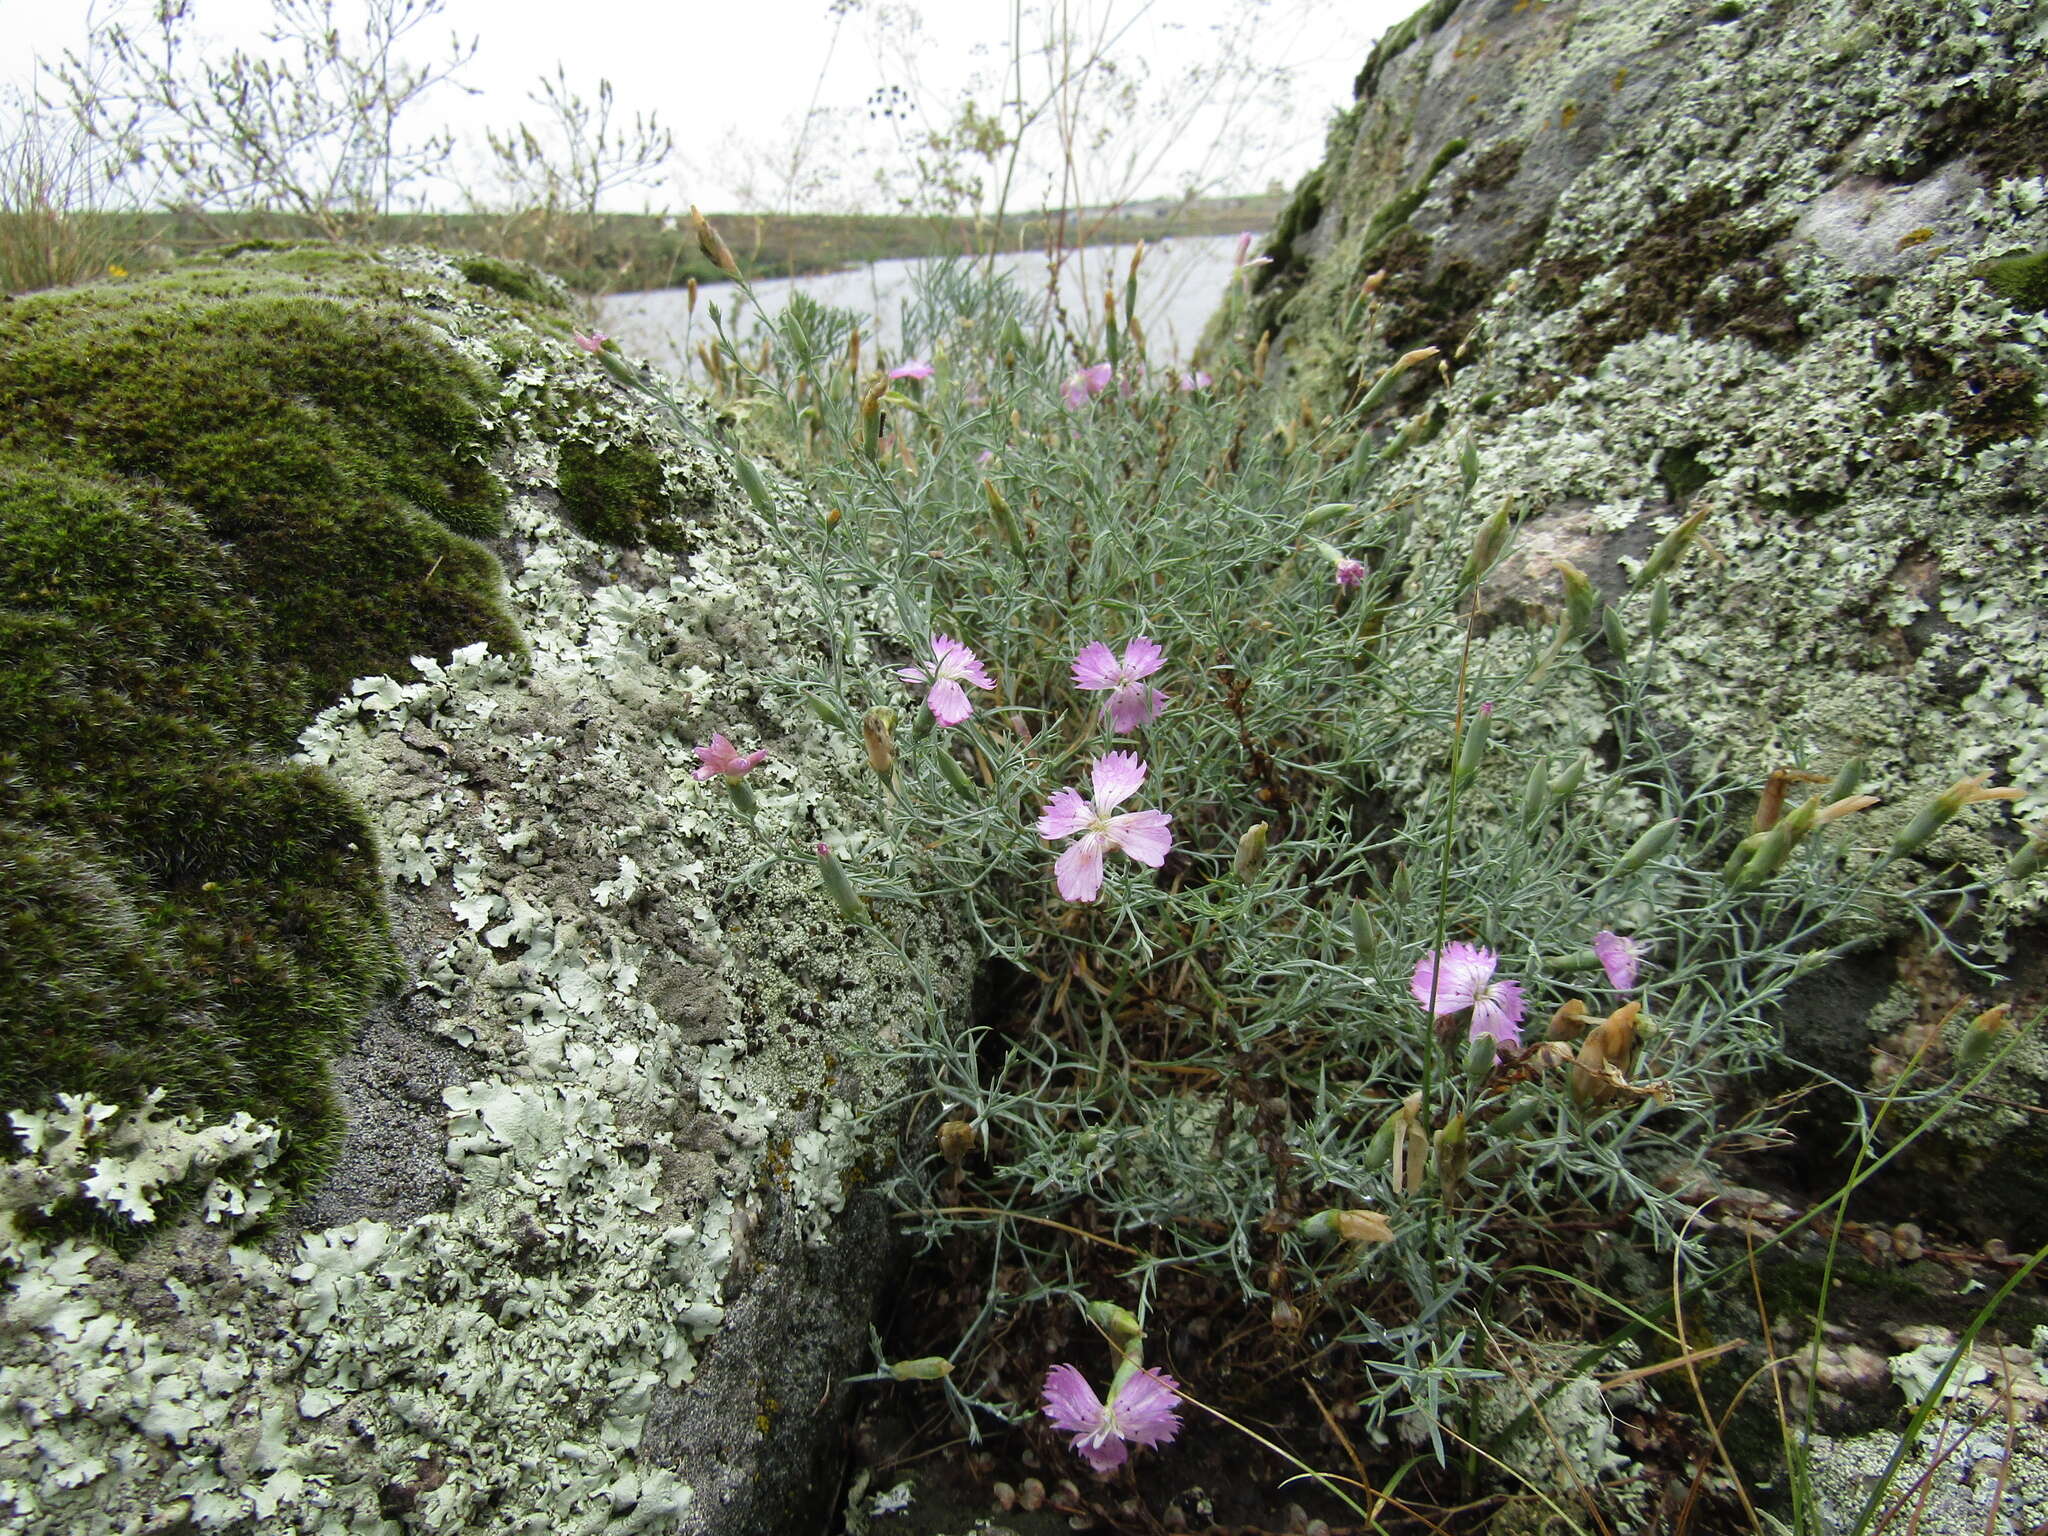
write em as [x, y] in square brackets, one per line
[1350, 573]
[1619, 957]
[1196, 380]
[594, 342]
[916, 368]
[1139, 1411]
[952, 664]
[1131, 702]
[722, 757]
[1461, 976]
[1086, 385]
[1143, 835]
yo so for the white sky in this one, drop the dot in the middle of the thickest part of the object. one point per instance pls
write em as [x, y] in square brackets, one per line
[735, 80]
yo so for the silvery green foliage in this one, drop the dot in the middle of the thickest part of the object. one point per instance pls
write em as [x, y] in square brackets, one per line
[1208, 1056]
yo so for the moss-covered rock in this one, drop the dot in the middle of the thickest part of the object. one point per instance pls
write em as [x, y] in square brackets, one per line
[224, 492]
[515, 280]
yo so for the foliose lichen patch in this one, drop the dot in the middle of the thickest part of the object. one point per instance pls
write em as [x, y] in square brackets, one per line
[664, 1030]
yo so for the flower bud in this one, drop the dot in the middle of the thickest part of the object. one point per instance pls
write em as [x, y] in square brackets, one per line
[1006, 525]
[1384, 384]
[1488, 543]
[1944, 806]
[1616, 636]
[2031, 858]
[839, 888]
[1515, 1118]
[1251, 852]
[1453, 1155]
[1848, 779]
[1660, 609]
[1534, 797]
[1648, 846]
[1580, 600]
[826, 710]
[1381, 1147]
[1352, 1226]
[742, 798]
[1473, 747]
[930, 1368]
[1327, 512]
[1980, 1035]
[871, 419]
[1480, 1052]
[716, 251]
[1669, 548]
[752, 483]
[1468, 463]
[1115, 1321]
[1363, 941]
[951, 771]
[878, 735]
[1563, 786]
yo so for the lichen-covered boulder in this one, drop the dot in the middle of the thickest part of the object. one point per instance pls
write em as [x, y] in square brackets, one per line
[1777, 262]
[432, 1109]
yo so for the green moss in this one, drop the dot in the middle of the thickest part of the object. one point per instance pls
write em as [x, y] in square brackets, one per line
[2023, 280]
[1698, 262]
[224, 493]
[1682, 472]
[616, 493]
[172, 914]
[514, 279]
[1401, 207]
[334, 446]
[1396, 39]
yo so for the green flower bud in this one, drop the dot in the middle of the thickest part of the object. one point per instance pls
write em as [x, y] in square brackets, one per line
[1648, 846]
[743, 798]
[1480, 1052]
[1534, 794]
[2031, 858]
[1468, 463]
[826, 710]
[1006, 525]
[839, 888]
[1380, 1150]
[1473, 747]
[1515, 1117]
[1847, 780]
[1580, 600]
[1251, 852]
[1488, 543]
[930, 1368]
[1565, 784]
[953, 773]
[752, 483]
[1617, 637]
[1660, 609]
[1115, 1321]
[1363, 941]
[1327, 512]
[1669, 548]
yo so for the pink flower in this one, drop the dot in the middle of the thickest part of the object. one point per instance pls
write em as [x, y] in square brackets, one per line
[1461, 976]
[1143, 835]
[1350, 573]
[916, 368]
[1086, 385]
[951, 665]
[1140, 1411]
[594, 342]
[1190, 382]
[1244, 246]
[1618, 957]
[984, 456]
[722, 758]
[1131, 703]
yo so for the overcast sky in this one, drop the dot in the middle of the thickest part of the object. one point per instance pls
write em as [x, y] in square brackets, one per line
[1208, 102]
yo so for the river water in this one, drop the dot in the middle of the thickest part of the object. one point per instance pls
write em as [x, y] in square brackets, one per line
[1180, 284]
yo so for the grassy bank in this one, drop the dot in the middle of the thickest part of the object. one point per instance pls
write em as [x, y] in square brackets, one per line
[617, 253]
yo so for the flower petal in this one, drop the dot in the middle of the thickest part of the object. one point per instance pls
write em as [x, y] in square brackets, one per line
[1095, 668]
[1071, 1403]
[1143, 1410]
[1144, 835]
[1078, 874]
[1449, 979]
[1142, 658]
[1134, 705]
[1618, 957]
[1102, 1454]
[948, 702]
[1498, 1013]
[1118, 776]
[1065, 814]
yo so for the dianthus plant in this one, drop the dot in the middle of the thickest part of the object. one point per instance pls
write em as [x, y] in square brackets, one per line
[1320, 977]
